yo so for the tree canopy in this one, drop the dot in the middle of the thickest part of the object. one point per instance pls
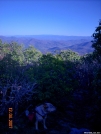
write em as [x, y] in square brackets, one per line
[97, 40]
[66, 79]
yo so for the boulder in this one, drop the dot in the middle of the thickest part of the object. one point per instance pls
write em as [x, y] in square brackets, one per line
[79, 131]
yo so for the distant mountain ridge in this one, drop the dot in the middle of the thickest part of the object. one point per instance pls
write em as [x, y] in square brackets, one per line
[51, 43]
[50, 37]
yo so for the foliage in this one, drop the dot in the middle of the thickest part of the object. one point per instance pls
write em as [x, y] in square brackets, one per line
[97, 40]
[14, 50]
[50, 76]
[31, 55]
[68, 55]
[28, 77]
[53, 78]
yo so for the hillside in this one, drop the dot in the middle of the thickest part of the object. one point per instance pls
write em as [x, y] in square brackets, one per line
[51, 43]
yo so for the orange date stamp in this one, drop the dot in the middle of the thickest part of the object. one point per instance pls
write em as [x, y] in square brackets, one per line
[10, 118]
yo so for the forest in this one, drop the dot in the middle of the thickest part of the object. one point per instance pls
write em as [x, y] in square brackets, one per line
[69, 81]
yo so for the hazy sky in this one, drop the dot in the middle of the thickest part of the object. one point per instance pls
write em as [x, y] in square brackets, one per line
[55, 17]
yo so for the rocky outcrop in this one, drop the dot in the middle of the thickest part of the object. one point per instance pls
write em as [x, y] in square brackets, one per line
[79, 131]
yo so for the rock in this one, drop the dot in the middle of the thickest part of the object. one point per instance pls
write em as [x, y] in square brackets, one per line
[54, 132]
[78, 131]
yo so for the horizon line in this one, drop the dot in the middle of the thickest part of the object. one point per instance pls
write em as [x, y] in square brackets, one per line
[47, 35]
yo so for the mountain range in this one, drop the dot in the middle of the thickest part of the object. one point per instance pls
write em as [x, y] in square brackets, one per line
[52, 43]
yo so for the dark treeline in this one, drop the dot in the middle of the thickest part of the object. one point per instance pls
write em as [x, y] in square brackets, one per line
[70, 81]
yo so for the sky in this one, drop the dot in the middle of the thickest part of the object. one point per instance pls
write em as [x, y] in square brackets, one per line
[49, 17]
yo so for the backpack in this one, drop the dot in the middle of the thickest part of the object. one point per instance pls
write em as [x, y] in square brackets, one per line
[30, 115]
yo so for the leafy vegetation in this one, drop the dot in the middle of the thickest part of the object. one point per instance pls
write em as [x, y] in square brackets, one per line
[29, 77]
[97, 40]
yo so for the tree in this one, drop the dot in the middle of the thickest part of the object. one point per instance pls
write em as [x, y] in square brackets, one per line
[31, 55]
[4, 49]
[14, 50]
[17, 52]
[51, 78]
[97, 40]
[68, 55]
